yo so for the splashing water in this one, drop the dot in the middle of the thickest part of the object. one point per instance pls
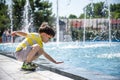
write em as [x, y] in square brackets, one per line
[27, 17]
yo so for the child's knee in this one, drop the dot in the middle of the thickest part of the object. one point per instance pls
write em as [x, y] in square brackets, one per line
[36, 46]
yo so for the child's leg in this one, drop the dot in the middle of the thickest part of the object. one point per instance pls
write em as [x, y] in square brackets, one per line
[33, 54]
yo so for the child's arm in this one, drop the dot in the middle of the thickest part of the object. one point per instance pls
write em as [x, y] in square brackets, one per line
[49, 57]
[19, 33]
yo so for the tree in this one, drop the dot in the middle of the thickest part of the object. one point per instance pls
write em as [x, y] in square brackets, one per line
[98, 11]
[115, 11]
[4, 18]
[81, 16]
[18, 7]
[72, 16]
[41, 11]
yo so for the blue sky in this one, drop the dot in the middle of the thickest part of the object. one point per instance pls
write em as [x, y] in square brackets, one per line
[67, 7]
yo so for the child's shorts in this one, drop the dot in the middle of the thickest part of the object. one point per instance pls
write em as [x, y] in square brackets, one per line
[22, 54]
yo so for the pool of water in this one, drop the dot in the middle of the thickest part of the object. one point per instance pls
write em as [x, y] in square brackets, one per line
[95, 56]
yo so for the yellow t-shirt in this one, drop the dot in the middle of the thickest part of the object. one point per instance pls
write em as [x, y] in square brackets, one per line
[31, 38]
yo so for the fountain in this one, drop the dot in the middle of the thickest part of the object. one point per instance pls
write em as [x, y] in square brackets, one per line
[27, 18]
[27, 21]
[106, 7]
[57, 23]
[93, 56]
[111, 35]
[11, 18]
[85, 13]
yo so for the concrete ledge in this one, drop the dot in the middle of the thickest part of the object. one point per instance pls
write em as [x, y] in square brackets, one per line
[10, 69]
[64, 73]
[77, 73]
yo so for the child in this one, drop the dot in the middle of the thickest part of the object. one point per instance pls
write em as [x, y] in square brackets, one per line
[32, 46]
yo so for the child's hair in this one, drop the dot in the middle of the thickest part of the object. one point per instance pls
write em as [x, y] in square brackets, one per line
[46, 29]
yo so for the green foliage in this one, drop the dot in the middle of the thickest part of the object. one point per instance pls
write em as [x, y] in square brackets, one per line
[97, 11]
[41, 11]
[18, 7]
[90, 35]
[72, 16]
[81, 16]
[4, 18]
[115, 11]
[77, 34]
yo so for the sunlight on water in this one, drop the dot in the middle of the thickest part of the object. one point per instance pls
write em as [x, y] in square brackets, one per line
[115, 55]
[74, 45]
[86, 46]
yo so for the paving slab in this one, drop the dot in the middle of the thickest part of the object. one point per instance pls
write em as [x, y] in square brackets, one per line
[10, 70]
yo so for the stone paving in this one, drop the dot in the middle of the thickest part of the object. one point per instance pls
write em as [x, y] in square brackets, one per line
[10, 70]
